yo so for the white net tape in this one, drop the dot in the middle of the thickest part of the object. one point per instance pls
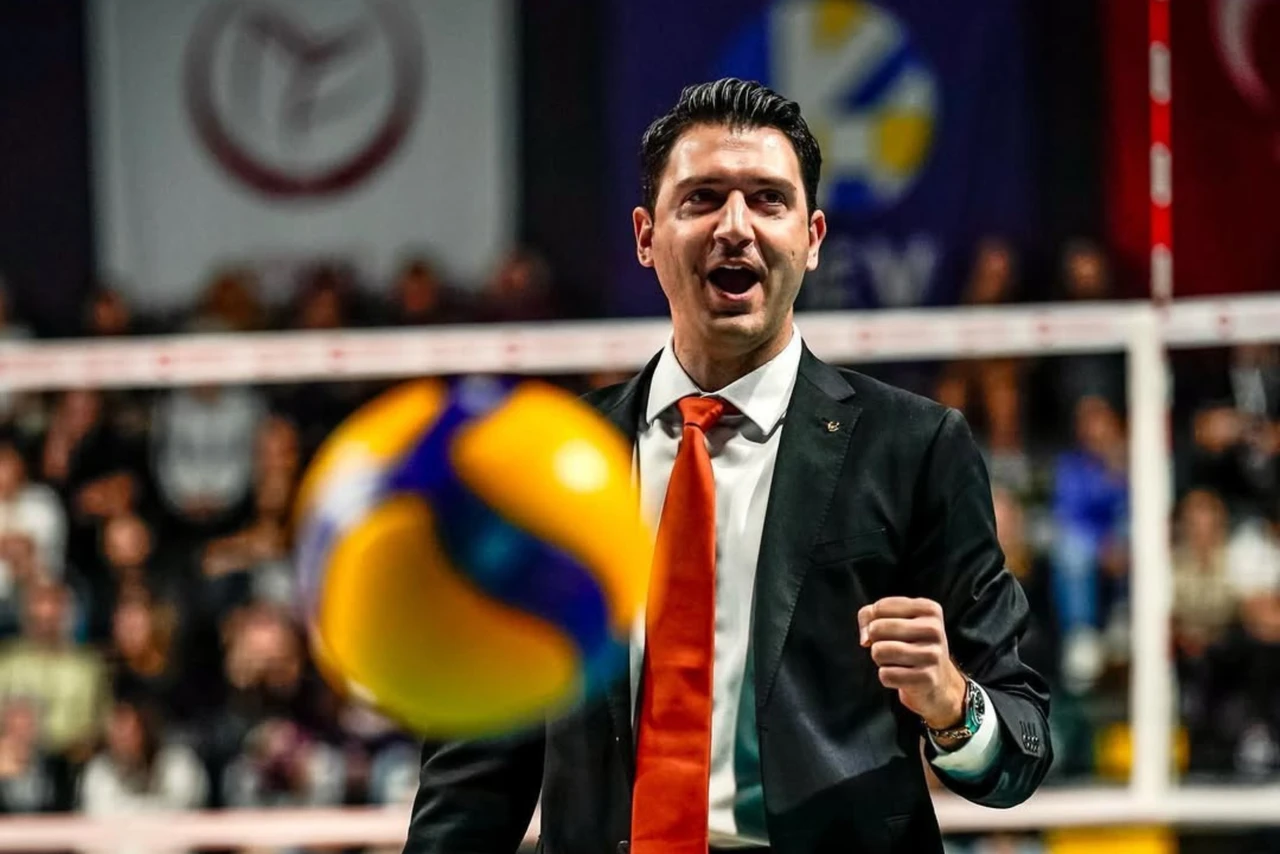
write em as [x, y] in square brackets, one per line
[555, 348]
[1220, 806]
[568, 348]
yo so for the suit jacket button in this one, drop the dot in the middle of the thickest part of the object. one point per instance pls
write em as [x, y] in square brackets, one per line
[624, 847]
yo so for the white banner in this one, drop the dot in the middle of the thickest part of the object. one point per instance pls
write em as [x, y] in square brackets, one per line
[274, 131]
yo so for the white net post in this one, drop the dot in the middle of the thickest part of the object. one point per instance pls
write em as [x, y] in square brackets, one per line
[1151, 581]
[1151, 689]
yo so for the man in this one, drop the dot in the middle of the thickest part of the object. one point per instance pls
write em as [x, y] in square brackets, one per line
[833, 591]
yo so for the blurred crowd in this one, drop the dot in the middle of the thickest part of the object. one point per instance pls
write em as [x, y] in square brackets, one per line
[1054, 432]
[151, 658]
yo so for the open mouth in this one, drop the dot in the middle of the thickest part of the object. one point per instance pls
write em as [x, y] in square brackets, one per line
[733, 280]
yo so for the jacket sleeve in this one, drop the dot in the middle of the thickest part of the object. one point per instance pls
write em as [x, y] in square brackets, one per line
[476, 797]
[958, 562]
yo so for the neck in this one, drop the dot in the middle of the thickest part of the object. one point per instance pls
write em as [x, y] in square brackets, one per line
[712, 369]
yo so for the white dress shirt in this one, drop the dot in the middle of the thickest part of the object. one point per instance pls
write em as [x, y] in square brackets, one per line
[744, 449]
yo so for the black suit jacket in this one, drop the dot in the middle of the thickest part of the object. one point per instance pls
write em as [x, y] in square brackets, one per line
[876, 492]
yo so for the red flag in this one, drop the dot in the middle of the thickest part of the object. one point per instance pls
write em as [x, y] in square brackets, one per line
[1226, 144]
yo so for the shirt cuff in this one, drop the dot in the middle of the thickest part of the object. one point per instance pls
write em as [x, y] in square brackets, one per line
[974, 758]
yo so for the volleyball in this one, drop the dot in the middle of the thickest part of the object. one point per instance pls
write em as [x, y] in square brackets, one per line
[471, 554]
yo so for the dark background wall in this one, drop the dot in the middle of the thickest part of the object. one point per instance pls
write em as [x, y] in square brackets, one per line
[46, 218]
[1067, 81]
[563, 157]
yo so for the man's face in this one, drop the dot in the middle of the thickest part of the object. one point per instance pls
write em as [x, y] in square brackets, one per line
[730, 236]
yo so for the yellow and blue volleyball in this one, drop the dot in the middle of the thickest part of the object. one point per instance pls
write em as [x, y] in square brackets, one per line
[471, 554]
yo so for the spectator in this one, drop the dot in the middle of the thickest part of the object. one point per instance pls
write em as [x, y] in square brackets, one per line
[283, 765]
[519, 290]
[136, 772]
[382, 761]
[996, 383]
[324, 303]
[1253, 564]
[1204, 600]
[107, 315]
[1086, 276]
[31, 512]
[145, 656]
[326, 299]
[1039, 646]
[420, 297]
[1235, 426]
[253, 564]
[1090, 511]
[127, 560]
[1247, 670]
[95, 468]
[274, 735]
[77, 419]
[277, 451]
[230, 302]
[263, 543]
[200, 443]
[67, 683]
[20, 555]
[30, 780]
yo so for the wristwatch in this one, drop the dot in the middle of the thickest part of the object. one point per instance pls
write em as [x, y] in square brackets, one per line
[975, 709]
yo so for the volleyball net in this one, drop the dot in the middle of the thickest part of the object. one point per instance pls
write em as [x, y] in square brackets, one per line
[1149, 789]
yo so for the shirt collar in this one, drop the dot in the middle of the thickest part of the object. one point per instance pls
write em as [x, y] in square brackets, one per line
[761, 395]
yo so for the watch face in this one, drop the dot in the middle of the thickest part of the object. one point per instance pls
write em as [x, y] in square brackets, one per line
[977, 708]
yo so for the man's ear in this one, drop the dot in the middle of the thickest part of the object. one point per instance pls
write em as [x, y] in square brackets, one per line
[817, 233]
[642, 222]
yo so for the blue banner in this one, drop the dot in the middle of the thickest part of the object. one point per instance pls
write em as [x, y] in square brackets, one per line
[919, 106]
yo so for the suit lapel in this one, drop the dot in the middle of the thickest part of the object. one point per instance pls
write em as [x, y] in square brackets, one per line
[622, 409]
[815, 438]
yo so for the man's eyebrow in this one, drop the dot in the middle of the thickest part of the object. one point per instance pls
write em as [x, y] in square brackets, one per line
[756, 181]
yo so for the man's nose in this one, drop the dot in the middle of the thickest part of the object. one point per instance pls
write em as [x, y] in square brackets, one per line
[734, 229]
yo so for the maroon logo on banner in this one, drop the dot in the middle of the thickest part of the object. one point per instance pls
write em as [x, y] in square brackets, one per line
[1245, 35]
[292, 112]
[1235, 20]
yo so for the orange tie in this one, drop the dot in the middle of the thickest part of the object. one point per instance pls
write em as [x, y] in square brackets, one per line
[673, 751]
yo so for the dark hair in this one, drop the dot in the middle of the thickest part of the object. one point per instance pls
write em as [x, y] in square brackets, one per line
[151, 722]
[738, 105]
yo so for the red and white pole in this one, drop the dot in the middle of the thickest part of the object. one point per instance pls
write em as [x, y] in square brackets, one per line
[1160, 88]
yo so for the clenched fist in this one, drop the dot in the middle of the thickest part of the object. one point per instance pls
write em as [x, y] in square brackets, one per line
[908, 642]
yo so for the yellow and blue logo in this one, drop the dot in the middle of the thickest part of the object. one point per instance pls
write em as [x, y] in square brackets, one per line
[863, 85]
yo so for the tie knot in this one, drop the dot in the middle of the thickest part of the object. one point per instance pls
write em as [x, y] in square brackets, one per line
[700, 412]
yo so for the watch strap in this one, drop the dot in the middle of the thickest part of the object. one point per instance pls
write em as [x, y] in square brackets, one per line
[974, 712]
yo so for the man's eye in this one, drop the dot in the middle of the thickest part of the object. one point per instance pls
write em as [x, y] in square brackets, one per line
[700, 197]
[773, 197]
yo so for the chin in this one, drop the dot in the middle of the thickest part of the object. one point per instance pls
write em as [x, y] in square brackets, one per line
[741, 330]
